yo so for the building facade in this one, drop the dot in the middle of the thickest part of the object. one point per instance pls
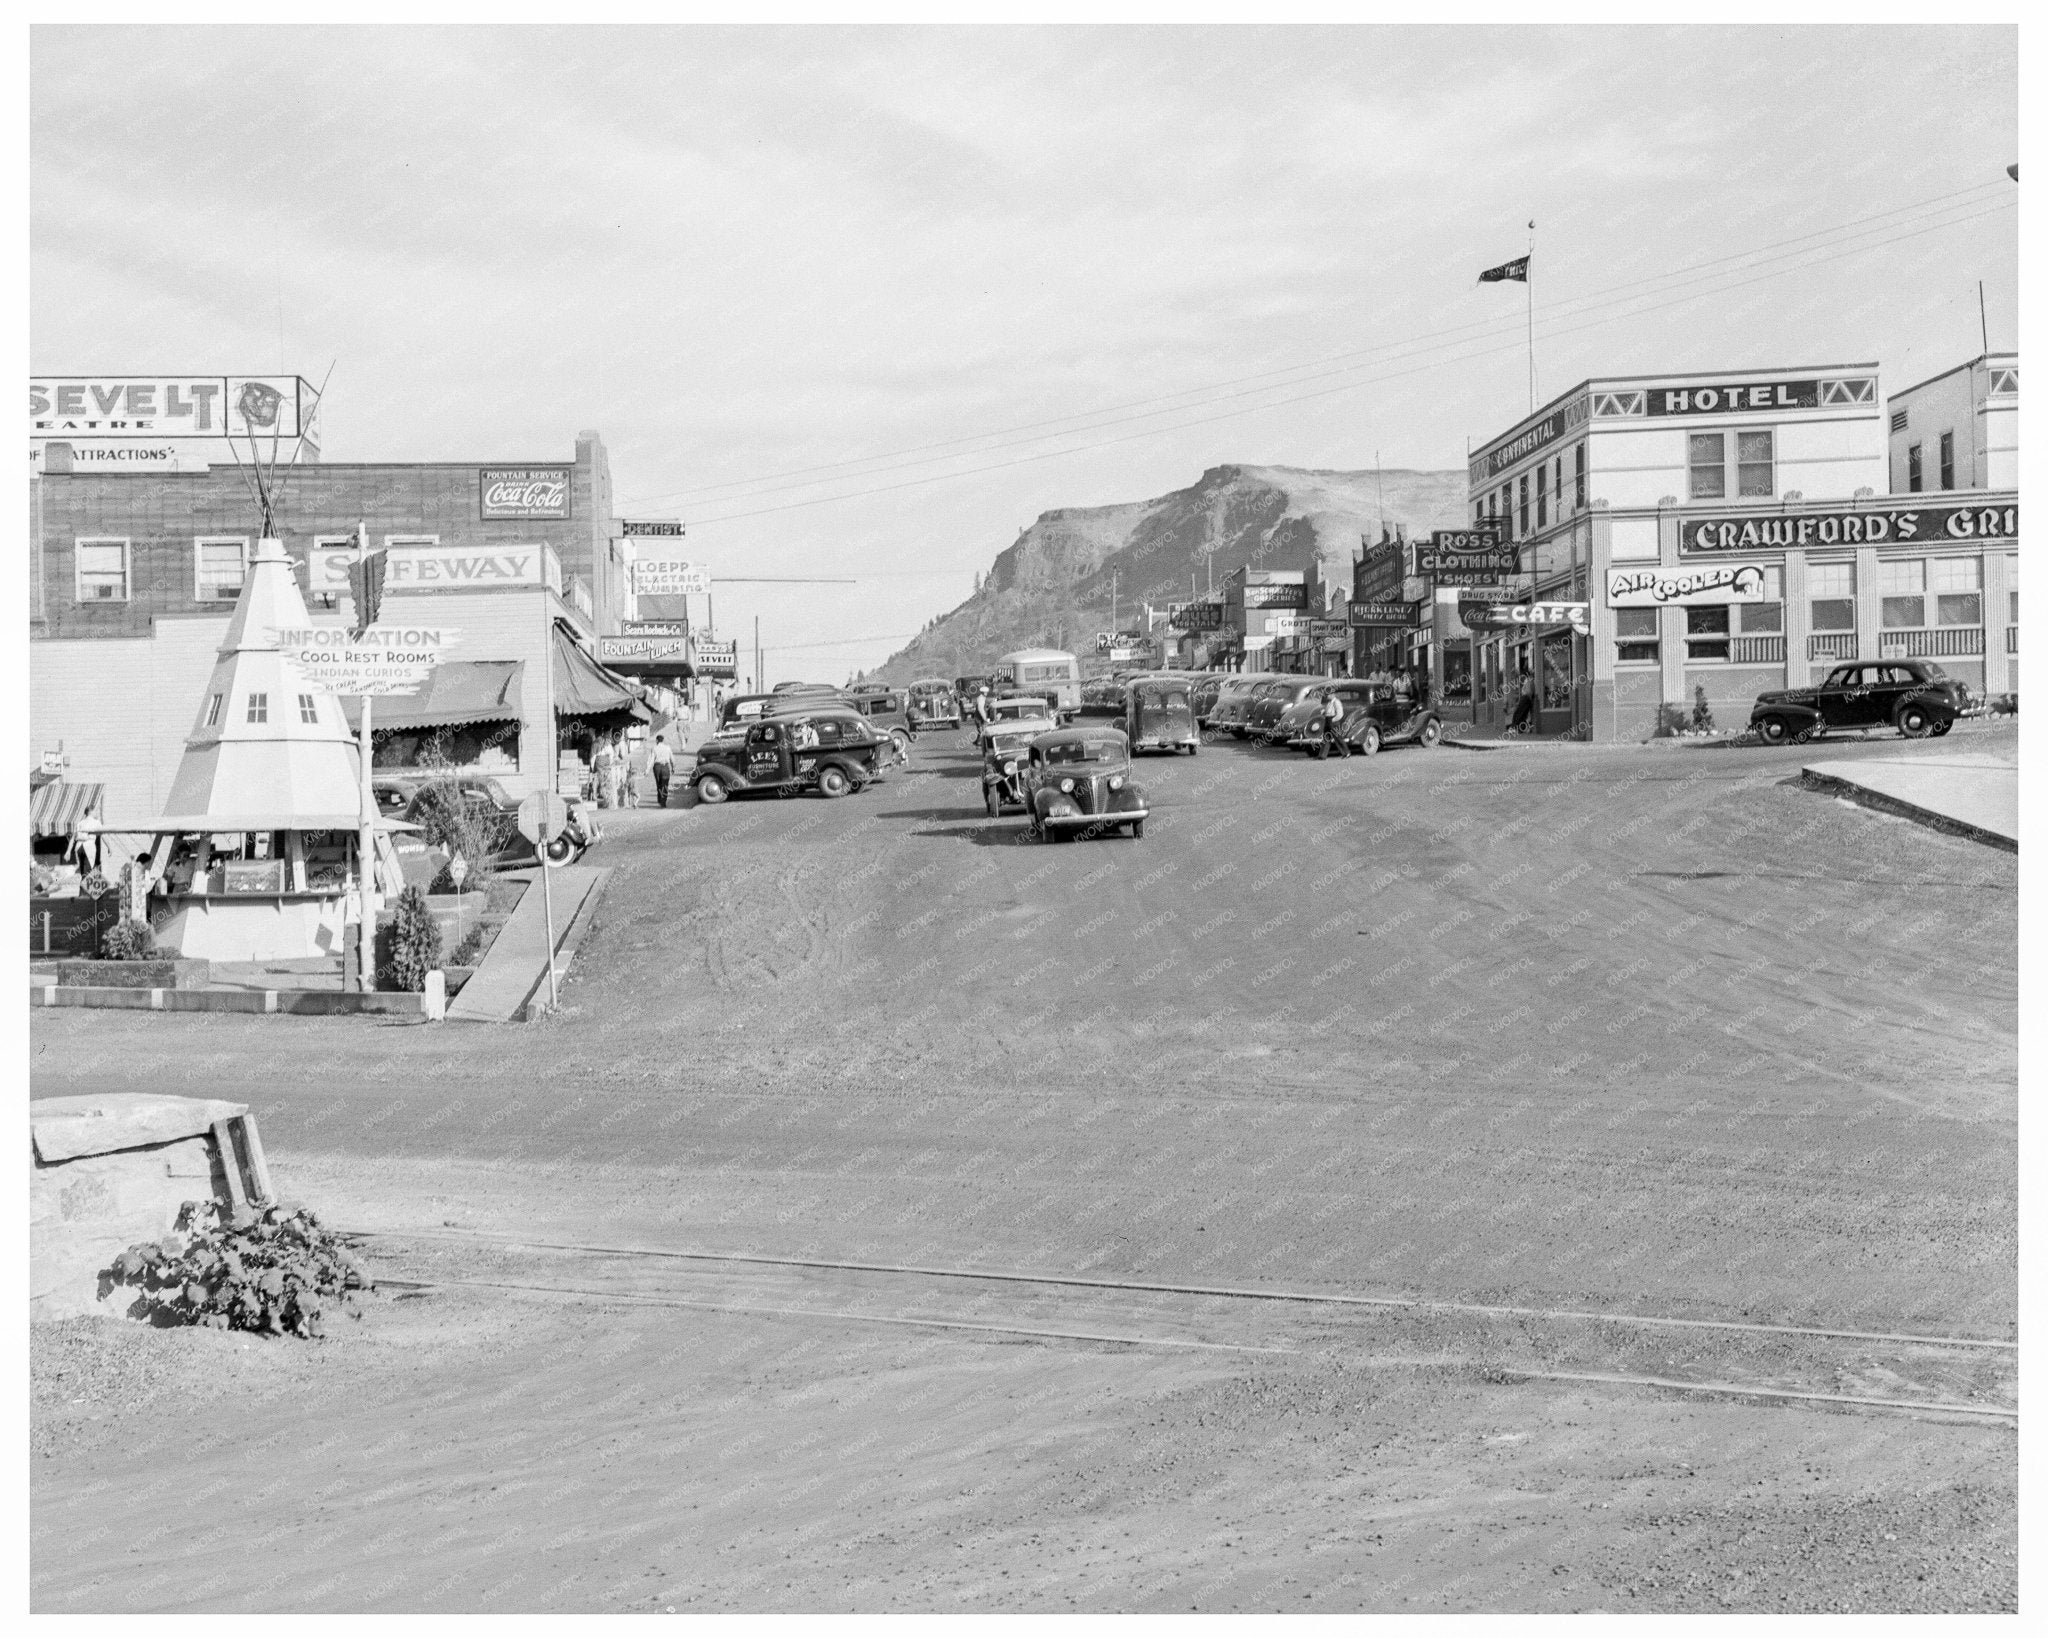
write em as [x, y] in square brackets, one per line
[1689, 541]
[1959, 429]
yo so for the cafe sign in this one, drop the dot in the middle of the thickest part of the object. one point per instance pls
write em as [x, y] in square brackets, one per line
[1682, 588]
[1870, 526]
[1498, 616]
[523, 491]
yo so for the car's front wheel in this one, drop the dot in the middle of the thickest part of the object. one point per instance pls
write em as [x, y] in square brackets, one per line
[1137, 830]
[1369, 739]
[994, 801]
[1432, 731]
[712, 790]
[1773, 730]
[1915, 721]
[832, 781]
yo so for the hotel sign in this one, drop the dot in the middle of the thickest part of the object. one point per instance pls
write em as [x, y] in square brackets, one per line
[1738, 398]
[1871, 526]
[1681, 588]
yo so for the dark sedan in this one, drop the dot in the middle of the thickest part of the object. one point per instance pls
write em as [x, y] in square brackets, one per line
[1916, 697]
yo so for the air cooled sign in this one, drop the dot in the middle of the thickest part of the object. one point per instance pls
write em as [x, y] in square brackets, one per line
[1918, 526]
[1679, 588]
[523, 491]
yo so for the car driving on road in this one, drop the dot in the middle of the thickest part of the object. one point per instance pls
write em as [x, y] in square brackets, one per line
[830, 752]
[1916, 697]
[1078, 782]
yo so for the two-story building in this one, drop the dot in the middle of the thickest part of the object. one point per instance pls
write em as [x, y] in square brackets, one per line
[1959, 429]
[1690, 540]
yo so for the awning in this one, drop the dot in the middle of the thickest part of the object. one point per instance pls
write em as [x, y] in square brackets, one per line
[583, 688]
[57, 809]
[231, 824]
[455, 692]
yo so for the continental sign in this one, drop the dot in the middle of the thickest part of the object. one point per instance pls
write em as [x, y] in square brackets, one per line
[1872, 526]
[1560, 421]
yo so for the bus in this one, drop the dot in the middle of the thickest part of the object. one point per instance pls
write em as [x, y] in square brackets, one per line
[1049, 672]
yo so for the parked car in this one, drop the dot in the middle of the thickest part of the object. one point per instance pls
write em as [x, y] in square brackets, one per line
[932, 703]
[1077, 781]
[1270, 702]
[1018, 711]
[831, 752]
[1234, 701]
[1158, 717]
[887, 711]
[1005, 757]
[1202, 695]
[1916, 697]
[1390, 714]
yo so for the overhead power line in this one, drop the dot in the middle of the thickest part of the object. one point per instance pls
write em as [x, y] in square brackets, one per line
[1841, 237]
[1546, 328]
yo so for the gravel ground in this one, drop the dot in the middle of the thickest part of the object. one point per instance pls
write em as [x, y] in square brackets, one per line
[1647, 1031]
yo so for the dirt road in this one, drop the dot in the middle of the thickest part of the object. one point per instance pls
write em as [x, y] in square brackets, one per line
[1640, 1031]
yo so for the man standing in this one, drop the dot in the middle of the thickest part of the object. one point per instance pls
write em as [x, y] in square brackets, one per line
[1525, 704]
[601, 770]
[663, 761]
[1332, 715]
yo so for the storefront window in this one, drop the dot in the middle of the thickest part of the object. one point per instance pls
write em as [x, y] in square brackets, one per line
[1458, 671]
[1902, 587]
[1556, 681]
[103, 571]
[1832, 588]
[1706, 632]
[1958, 585]
[1542, 497]
[1635, 636]
[1522, 506]
[1706, 459]
[1756, 470]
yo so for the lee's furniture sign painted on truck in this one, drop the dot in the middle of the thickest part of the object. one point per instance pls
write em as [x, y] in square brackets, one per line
[1873, 526]
[169, 406]
[443, 568]
[523, 492]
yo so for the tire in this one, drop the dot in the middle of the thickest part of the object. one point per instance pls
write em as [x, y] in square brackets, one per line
[712, 790]
[1914, 721]
[1942, 727]
[1432, 733]
[1773, 730]
[994, 802]
[1369, 740]
[559, 852]
[833, 781]
[1239, 733]
[1193, 749]
[1137, 830]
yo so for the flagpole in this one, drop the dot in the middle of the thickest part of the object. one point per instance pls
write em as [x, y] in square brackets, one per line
[1529, 286]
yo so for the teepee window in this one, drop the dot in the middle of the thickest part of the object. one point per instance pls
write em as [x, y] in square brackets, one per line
[213, 710]
[309, 711]
[222, 561]
[259, 707]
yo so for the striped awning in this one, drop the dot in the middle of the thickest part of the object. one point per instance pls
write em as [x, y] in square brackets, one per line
[56, 808]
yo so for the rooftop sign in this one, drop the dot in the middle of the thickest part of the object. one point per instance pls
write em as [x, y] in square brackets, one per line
[169, 406]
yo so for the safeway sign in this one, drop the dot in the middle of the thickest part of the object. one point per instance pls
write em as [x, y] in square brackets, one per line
[384, 660]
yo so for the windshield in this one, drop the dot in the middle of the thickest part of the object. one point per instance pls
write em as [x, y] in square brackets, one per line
[1018, 710]
[1933, 671]
[1162, 697]
[1075, 751]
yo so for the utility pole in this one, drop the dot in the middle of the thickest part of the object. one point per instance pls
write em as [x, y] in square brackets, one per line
[760, 676]
[366, 800]
[1983, 325]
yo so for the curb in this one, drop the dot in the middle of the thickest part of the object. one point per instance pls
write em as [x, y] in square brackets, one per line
[1899, 807]
[315, 1003]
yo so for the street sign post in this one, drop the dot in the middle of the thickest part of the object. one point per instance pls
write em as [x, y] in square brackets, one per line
[542, 817]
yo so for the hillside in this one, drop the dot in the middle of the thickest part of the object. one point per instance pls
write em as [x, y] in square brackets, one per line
[1052, 585]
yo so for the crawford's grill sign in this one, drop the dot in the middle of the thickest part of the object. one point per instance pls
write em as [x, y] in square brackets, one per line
[523, 491]
[1916, 526]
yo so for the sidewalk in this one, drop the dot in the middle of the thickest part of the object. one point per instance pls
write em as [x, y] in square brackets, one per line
[515, 970]
[1973, 796]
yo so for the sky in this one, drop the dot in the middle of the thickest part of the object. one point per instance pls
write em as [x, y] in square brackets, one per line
[862, 303]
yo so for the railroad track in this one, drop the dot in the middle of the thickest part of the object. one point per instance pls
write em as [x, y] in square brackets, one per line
[1957, 1377]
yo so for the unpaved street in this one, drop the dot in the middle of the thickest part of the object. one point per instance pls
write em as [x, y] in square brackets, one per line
[1644, 1033]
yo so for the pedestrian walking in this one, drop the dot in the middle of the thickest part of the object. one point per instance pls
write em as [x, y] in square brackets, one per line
[1332, 717]
[601, 760]
[1525, 703]
[662, 761]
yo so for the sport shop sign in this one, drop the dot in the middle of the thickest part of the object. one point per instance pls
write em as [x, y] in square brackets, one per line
[442, 568]
[384, 660]
[1902, 526]
[1682, 588]
[523, 492]
[169, 406]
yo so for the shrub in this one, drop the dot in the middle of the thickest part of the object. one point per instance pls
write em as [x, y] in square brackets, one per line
[1670, 720]
[1702, 713]
[128, 941]
[470, 948]
[415, 941]
[274, 1270]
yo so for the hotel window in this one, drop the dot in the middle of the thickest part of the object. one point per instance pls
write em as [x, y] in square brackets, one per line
[1831, 591]
[1635, 636]
[1756, 475]
[1948, 460]
[1522, 506]
[102, 571]
[213, 710]
[1958, 587]
[1769, 615]
[221, 562]
[1543, 497]
[1507, 509]
[259, 707]
[1913, 475]
[1902, 591]
[1707, 463]
[1706, 632]
[1579, 478]
[309, 709]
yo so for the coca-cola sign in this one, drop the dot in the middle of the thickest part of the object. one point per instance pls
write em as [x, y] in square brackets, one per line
[523, 491]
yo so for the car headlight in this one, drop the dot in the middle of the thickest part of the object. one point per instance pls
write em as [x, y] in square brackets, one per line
[1116, 782]
[1066, 784]
[1009, 767]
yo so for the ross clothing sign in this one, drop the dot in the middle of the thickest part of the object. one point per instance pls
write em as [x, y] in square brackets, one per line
[523, 491]
[1682, 588]
[1872, 526]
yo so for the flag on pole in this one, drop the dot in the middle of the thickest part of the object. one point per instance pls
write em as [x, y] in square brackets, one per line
[366, 582]
[1518, 270]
